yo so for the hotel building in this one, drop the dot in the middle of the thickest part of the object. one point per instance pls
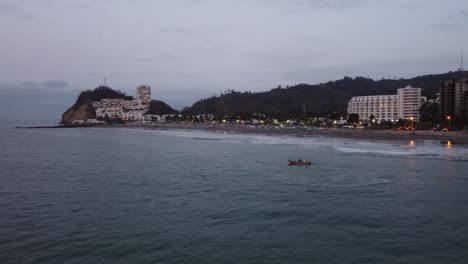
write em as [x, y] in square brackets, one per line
[404, 105]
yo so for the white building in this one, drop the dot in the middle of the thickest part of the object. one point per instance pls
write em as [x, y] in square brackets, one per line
[143, 93]
[405, 105]
[409, 102]
[130, 110]
[112, 108]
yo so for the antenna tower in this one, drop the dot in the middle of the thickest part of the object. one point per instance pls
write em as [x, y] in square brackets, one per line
[461, 62]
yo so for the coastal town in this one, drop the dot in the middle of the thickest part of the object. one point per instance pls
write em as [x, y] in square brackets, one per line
[122, 110]
[402, 110]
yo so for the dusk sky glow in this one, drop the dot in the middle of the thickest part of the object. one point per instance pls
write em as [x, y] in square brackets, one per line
[187, 49]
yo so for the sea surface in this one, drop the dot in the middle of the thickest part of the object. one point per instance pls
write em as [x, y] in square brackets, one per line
[143, 196]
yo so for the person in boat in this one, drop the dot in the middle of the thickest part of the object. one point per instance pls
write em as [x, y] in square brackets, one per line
[300, 160]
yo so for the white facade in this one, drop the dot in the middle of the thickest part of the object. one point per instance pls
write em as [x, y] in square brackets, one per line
[143, 93]
[405, 105]
[132, 110]
[382, 107]
[409, 102]
[112, 108]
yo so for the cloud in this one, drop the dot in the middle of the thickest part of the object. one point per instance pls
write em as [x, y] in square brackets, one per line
[183, 32]
[412, 5]
[307, 5]
[16, 11]
[162, 58]
[445, 25]
[9, 9]
[458, 15]
[463, 13]
[454, 20]
[49, 84]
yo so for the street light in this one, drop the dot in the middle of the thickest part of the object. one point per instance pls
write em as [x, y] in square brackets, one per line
[449, 118]
[412, 119]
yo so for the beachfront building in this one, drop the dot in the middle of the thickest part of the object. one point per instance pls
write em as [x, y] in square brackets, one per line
[454, 101]
[409, 101]
[404, 105]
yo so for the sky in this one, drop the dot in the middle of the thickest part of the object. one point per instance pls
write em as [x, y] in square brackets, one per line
[50, 50]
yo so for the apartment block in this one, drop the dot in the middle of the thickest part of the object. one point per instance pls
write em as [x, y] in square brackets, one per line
[453, 101]
[404, 105]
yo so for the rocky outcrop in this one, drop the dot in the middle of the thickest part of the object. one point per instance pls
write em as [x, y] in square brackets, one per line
[83, 107]
[78, 112]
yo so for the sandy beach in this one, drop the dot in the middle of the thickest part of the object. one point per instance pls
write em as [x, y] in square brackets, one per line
[455, 137]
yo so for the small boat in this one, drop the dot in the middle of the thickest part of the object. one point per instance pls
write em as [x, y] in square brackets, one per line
[299, 162]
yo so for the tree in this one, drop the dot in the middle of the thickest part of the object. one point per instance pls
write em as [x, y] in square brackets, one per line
[353, 118]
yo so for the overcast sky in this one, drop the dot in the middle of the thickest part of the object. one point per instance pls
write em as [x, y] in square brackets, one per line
[190, 49]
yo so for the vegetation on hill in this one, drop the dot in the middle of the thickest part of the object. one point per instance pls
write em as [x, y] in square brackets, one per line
[99, 93]
[160, 108]
[327, 97]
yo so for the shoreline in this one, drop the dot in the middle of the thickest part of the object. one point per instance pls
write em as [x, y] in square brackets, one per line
[459, 138]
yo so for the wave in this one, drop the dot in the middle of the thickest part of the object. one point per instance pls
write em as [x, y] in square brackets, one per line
[342, 145]
[396, 151]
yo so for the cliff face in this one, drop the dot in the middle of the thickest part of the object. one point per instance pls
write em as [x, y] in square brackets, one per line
[78, 112]
[83, 107]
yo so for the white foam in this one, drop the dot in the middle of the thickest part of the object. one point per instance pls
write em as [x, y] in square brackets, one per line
[342, 145]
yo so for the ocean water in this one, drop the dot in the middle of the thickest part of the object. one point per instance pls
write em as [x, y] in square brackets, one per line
[142, 196]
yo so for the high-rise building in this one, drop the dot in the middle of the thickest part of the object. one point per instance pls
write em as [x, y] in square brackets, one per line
[447, 100]
[405, 105]
[409, 101]
[143, 93]
[453, 101]
[465, 108]
[461, 87]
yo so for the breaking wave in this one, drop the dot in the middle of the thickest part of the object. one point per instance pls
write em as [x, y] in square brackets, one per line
[342, 145]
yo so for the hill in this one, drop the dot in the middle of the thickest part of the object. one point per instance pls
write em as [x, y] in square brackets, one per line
[332, 96]
[160, 108]
[83, 109]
